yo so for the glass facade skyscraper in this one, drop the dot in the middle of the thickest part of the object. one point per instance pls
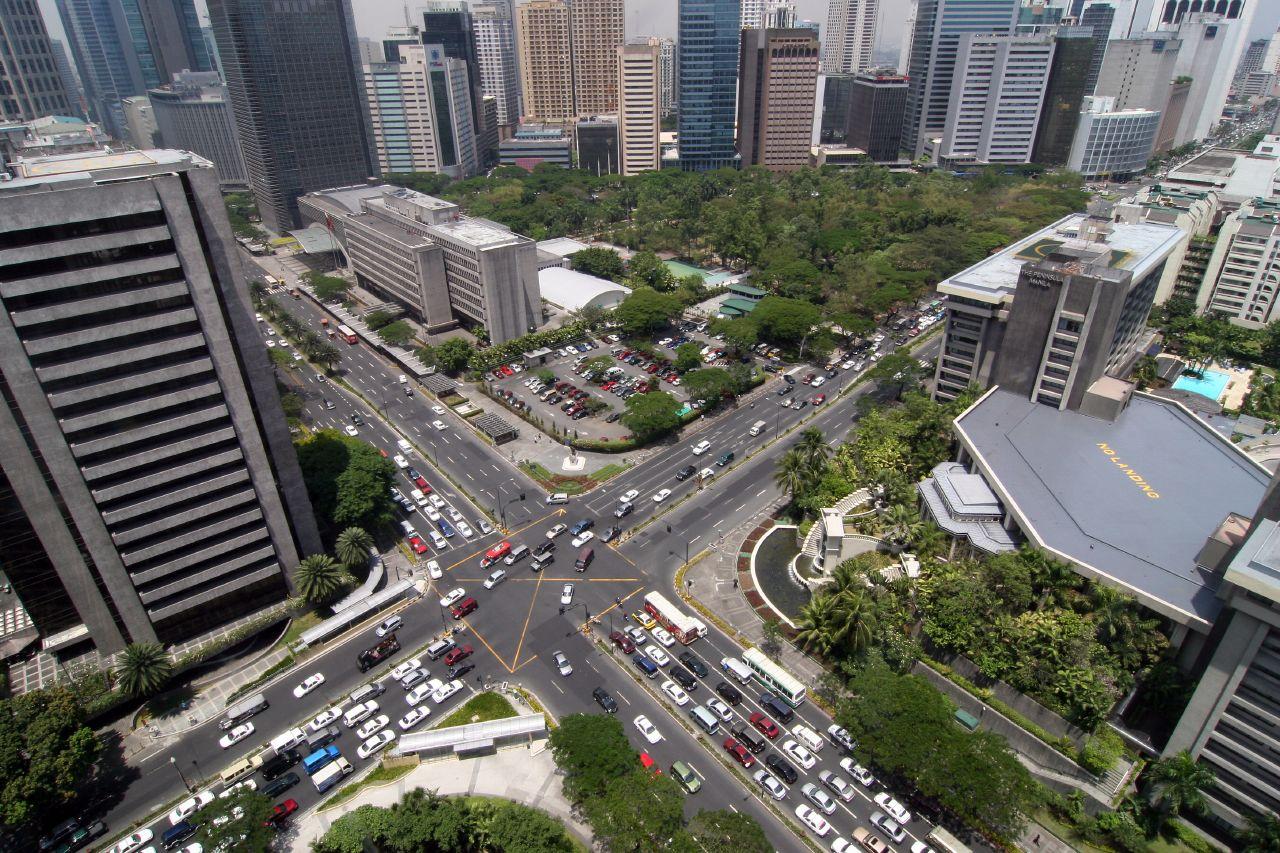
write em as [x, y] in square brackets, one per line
[708, 82]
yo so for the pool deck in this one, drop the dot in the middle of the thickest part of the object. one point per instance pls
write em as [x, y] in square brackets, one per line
[1236, 389]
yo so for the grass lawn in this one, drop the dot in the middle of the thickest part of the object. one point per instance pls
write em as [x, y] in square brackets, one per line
[300, 623]
[485, 707]
[379, 776]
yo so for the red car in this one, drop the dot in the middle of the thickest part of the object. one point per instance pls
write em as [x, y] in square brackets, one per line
[739, 752]
[766, 726]
[281, 812]
[494, 554]
[808, 380]
[421, 483]
[418, 546]
[458, 653]
[819, 399]
[647, 762]
[463, 607]
[623, 642]
[506, 371]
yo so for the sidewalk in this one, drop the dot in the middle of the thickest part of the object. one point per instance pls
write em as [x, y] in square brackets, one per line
[522, 775]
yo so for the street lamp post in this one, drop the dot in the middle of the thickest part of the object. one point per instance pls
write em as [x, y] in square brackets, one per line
[586, 613]
[185, 784]
[686, 546]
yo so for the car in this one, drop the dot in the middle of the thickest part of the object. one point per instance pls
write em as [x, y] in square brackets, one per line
[414, 677]
[433, 570]
[610, 534]
[872, 843]
[622, 641]
[543, 548]
[694, 664]
[388, 626]
[496, 577]
[701, 447]
[686, 472]
[418, 546]
[841, 737]
[662, 636]
[372, 726]
[720, 709]
[422, 691]
[458, 653]
[637, 636]
[400, 461]
[629, 496]
[770, 784]
[729, 693]
[860, 774]
[310, 683]
[190, 806]
[562, 663]
[921, 847]
[399, 672]
[278, 786]
[781, 768]
[446, 528]
[765, 726]
[818, 797]
[889, 827]
[439, 425]
[644, 620]
[464, 607]
[893, 807]
[351, 430]
[740, 753]
[236, 735]
[444, 691]
[360, 713]
[132, 842]
[585, 524]
[683, 678]
[321, 721]
[675, 692]
[485, 527]
[837, 784]
[818, 399]
[647, 729]
[661, 495]
[657, 655]
[624, 509]
[375, 744]
[799, 754]
[557, 530]
[583, 538]
[280, 812]
[452, 597]
[566, 595]
[415, 716]
[465, 530]
[813, 820]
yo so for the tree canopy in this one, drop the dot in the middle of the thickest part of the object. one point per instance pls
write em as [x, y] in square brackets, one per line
[348, 481]
[652, 414]
[47, 754]
[645, 311]
[600, 262]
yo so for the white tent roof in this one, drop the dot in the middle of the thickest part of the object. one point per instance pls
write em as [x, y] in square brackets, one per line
[573, 290]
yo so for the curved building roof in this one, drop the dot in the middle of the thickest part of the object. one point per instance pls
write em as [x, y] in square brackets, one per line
[572, 290]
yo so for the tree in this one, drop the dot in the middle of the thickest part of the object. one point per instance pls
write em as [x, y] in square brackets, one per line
[326, 355]
[814, 450]
[144, 669]
[740, 333]
[599, 261]
[291, 405]
[792, 474]
[1260, 835]
[650, 415]
[899, 371]
[514, 827]
[645, 269]
[688, 357]
[1176, 785]
[454, 355]
[816, 632]
[351, 832]
[397, 334]
[901, 523]
[319, 578]
[636, 811]
[1146, 371]
[712, 384]
[724, 831]
[364, 490]
[353, 546]
[248, 826]
[771, 637]
[784, 321]
[645, 311]
[377, 319]
[328, 288]
[47, 756]
[424, 821]
[591, 749]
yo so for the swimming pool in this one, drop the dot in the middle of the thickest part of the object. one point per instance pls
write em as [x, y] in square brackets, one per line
[1210, 385]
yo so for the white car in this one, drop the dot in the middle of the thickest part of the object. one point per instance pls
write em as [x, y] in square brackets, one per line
[414, 717]
[439, 410]
[647, 729]
[190, 806]
[236, 735]
[661, 496]
[433, 570]
[422, 691]
[860, 774]
[246, 785]
[133, 842]
[720, 709]
[889, 827]
[453, 597]
[351, 430]
[270, 343]
[360, 713]
[819, 797]
[453, 513]
[465, 530]
[437, 540]
[373, 726]
[414, 677]
[375, 744]
[893, 807]
[562, 663]
[405, 668]
[439, 425]
[657, 655]
[799, 754]
[841, 845]
[637, 636]
[662, 636]
[837, 784]
[770, 784]
[436, 501]
[431, 512]
[583, 538]
[813, 820]
[566, 594]
[445, 691]
[496, 577]
[701, 447]
[400, 461]
[485, 527]
[677, 695]
[321, 721]
[921, 847]
[310, 683]
[629, 496]
[557, 530]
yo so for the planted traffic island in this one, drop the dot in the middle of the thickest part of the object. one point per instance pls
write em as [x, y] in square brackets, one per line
[481, 708]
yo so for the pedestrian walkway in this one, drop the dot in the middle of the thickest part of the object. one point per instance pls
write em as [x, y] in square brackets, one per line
[525, 775]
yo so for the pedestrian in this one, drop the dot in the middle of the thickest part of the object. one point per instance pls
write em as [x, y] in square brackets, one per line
[735, 582]
[1036, 840]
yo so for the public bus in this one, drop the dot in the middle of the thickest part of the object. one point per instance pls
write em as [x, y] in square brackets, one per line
[945, 842]
[683, 627]
[774, 677]
[331, 774]
[347, 333]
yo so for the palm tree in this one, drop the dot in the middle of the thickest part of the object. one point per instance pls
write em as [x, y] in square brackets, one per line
[1146, 371]
[854, 621]
[1262, 834]
[318, 578]
[813, 449]
[353, 546]
[1175, 785]
[903, 523]
[791, 474]
[1111, 614]
[144, 670]
[815, 632]
[929, 540]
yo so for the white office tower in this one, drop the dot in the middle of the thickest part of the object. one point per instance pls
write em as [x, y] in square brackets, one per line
[1245, 265]
[1112, 143]
[850, 37]
[1210, 51]
[768, 14]
[1271, 59]
[639, 102]
[908, 32]
[996, 95]
[495, 35]
[666, 71]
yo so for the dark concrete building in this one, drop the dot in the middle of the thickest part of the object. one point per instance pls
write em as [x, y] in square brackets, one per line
[149, 490]
[1068, 78]
[30, 83]
[877, 104]
[837, 93]
[1097, 19]
[595, 145]
[449, 25]
[309, 129]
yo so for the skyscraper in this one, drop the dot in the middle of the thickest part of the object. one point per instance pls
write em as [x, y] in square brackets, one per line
[850, 38]
[496, 55]
[666, 72]
[70, 79]
[1251, 60]
[546, 60]
[707, 69]
[1110, 143]
[309, 129]
[1063, 95]
[1098, 18]
[448, 23]
[596, 34]
[766, 14]
[1210, 50]
[30, 83]
[149, 488]
[639, 105]
[874, 121]
[777, 84]
[193, 113]
[1137, 71]
[166, 37]
[935, 42]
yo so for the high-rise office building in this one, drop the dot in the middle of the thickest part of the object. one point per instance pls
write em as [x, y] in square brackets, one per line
[1138, 71]
[639, 107]
[448, 23]
[1063, 95]
[850, 37]
[596, 34]
[768, 14]
[545, 51]
[666, 72]
[149, 485]
[389, 49]
[835, 94]
[874, 122]
[1252, 58]
[1210, 45]
[936, 40]
[70, 79]
[777, 84]
[310, 128]
[707, 70]
[996, 93]
[166, 38]
[193, 113]
[141, 121]
[1110, 143]
[496, 55]
[1271, 59]
[1098, 18]
[30, 83]
[908, 37]
[595, 144]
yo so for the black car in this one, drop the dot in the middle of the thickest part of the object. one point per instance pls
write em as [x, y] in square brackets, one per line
[82, 836]
[356, 419]
[585, 524]
[781, 768]
[684, 679]
[459, 671]
[611, 534]
[694, 664]
[785, 390]
[781, 711]
[729, 693]
[276, 787]
[686, 472]
[753, 742]
[613, 417]
[789, 379]
[412, 472]
[544, 548]
[282, 762]
[604, 700]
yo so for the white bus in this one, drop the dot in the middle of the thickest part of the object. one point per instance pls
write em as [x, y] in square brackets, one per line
[945, 842]
[683, 627]
[329, 775]
[774, 677]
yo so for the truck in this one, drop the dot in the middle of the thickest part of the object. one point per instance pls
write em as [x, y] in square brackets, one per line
[375, 655]
[683, 627]
[243, 710]
[331, 774]
[945, 842]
